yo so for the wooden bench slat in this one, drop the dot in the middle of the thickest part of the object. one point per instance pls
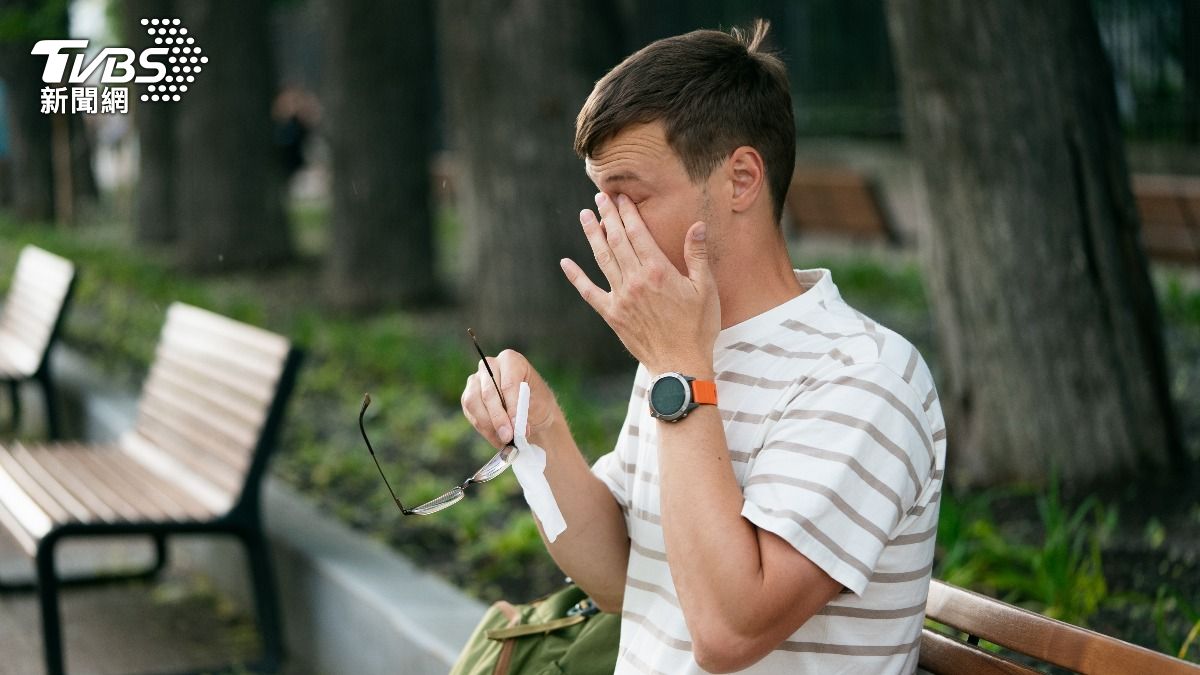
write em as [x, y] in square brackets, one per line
[943, 655]
[192, 366]
[35, 304]
[255, 372]
[92, 467]
[1169, 211]
[80, 488]
[157, 494]
[839, 201]
[238, 435]
[30, 330]
[215, 325]
[32, 488]
[67, 497]
[1044, 638]
[28, 286]
[168, 441]
[80, 462]
[14, 527]
[242, 412]
[192, 431]
[252, 356]
[28, 517]
[17, 359]
[170, 494]
[40, 264]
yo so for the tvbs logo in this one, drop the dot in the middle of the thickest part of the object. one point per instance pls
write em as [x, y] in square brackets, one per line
[167, 68]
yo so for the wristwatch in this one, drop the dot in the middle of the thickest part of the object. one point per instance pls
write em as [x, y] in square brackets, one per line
[674, 395]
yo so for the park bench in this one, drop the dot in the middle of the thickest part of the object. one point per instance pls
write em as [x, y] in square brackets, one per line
[841, 202]
[208, 417]
[1169, 208]
[1023, 632]
[33, 312]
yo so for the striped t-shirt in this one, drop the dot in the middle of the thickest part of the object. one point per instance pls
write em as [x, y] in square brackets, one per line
[837, 439]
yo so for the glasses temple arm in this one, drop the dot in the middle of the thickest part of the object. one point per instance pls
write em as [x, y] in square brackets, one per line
[487, 367]
[363, 430]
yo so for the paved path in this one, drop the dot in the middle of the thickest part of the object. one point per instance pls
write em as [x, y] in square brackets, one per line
[170, 625]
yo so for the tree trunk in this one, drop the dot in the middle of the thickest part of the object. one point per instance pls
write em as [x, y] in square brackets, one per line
[154, 196]
[1190, 10]
[29, 130]
[1051, 336]
[516, 74]
[228, 197]
[378, 92]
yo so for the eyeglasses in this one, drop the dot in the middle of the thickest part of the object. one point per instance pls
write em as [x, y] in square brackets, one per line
[494, 467]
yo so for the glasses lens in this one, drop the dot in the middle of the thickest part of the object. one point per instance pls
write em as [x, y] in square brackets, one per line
[496, 465]
[445, 501]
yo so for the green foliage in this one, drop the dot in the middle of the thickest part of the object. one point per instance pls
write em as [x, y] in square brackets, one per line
[47, 20]
[1059, 573]
[1180, 304]
[872, 285]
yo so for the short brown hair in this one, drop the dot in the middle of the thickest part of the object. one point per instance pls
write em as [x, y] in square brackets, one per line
[713, 92]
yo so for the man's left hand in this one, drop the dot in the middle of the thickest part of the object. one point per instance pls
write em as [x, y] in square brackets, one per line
[668, 321]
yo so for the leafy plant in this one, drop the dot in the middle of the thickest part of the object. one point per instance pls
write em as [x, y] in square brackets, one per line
[1061, 575]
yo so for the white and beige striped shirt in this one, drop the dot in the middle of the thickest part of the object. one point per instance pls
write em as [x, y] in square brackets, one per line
[837, 439]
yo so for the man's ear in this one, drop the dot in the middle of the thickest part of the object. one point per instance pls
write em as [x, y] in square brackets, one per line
[748, 176]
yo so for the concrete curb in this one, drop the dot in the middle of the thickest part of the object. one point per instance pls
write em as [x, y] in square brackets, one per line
[349, 604]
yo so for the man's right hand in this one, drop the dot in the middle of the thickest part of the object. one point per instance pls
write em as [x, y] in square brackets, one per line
[595, 548]
[483, 409]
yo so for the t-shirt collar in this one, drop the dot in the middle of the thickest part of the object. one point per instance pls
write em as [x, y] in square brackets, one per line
[818, 286]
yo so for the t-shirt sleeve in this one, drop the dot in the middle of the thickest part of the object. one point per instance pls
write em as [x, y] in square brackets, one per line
[615, 469]
[841, 467]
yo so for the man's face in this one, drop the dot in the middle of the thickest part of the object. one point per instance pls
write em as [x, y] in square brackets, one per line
[639, 164]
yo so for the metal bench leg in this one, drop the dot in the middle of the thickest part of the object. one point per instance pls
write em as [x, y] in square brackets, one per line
[160, 555]
[48, 597]
[14, 396]
[48, 393]
[266, 599]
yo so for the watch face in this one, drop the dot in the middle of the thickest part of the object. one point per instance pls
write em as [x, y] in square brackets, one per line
[668, 395]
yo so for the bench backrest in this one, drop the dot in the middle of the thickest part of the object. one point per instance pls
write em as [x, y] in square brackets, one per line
[211, 403]
[838, 201]
[1169, 209]
[1025, 632]
[33, 309]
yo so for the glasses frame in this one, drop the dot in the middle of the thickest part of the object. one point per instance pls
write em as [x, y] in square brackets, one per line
[493, 468]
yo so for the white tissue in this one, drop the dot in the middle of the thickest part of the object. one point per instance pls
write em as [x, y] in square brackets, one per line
[530, 468]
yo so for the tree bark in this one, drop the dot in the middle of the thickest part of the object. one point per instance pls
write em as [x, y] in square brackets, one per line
[1049, 328]
[1190, 14]
[154, 196]
[378, 94]
[516, 74]
[229, 193]
[30, 135]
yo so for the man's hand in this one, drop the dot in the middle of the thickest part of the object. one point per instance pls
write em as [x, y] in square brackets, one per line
[483, 409]
[668, 321]
[594, 550]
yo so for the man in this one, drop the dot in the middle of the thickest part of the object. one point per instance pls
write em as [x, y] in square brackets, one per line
[776, 512]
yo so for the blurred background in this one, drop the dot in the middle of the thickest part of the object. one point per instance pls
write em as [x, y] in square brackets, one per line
[1014, 186]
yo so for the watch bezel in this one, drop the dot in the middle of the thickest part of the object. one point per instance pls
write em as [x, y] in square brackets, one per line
[683, 410]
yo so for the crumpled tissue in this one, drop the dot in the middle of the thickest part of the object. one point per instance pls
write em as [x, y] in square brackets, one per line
[530, 469]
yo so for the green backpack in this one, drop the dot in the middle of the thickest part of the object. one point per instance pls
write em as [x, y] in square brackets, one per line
[561, 634]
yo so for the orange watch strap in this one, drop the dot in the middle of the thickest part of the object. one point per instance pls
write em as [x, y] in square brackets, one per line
[704, 392]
